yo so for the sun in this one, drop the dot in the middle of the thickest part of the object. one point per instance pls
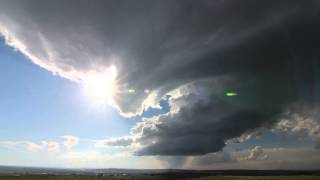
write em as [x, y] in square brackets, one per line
[101, 86]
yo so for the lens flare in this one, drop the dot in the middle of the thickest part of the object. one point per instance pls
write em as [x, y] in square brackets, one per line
[230, 94]
[131, 90]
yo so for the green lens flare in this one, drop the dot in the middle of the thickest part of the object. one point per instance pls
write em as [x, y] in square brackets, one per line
[229, 94]
[131, 91]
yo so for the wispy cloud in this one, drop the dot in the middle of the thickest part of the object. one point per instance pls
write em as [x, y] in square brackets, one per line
[46, 146]
[70, 141]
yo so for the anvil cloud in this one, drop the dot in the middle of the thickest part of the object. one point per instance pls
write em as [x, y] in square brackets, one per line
[193, 51]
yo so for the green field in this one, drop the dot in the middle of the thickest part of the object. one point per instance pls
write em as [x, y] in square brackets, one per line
[150, 177]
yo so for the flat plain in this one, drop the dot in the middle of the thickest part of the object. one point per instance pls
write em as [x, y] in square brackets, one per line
[152, 177]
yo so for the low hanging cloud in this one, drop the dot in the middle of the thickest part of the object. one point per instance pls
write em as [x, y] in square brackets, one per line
[256, 153]
[206, 121]
[303, 124]
[271, 158]
[194, 51]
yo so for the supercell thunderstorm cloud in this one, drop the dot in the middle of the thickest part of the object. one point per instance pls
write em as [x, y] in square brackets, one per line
[190, 53]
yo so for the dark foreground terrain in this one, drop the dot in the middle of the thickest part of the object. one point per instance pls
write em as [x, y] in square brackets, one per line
[151, 177]
[28, 173]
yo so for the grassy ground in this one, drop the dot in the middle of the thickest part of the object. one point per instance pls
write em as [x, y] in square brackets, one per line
[152, 177]
[259, 178]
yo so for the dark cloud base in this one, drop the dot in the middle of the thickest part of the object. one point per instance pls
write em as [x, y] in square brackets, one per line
[273, 69]
[266, 51]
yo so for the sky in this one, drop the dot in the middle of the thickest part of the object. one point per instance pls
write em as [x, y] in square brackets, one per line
[208, 84]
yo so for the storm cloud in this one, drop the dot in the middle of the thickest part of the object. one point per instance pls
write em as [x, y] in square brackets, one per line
[193, 51]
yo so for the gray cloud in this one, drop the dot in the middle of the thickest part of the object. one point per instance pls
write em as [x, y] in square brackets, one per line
[303, 123]
[255, 153]
[276, 158]
[204, 123]
[195, 51]
[202, 119]
[159, 45]
[117, 142]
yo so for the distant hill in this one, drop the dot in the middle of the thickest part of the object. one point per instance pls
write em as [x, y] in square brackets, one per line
[5, 170]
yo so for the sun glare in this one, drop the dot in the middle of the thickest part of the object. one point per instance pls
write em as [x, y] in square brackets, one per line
[100, 86]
